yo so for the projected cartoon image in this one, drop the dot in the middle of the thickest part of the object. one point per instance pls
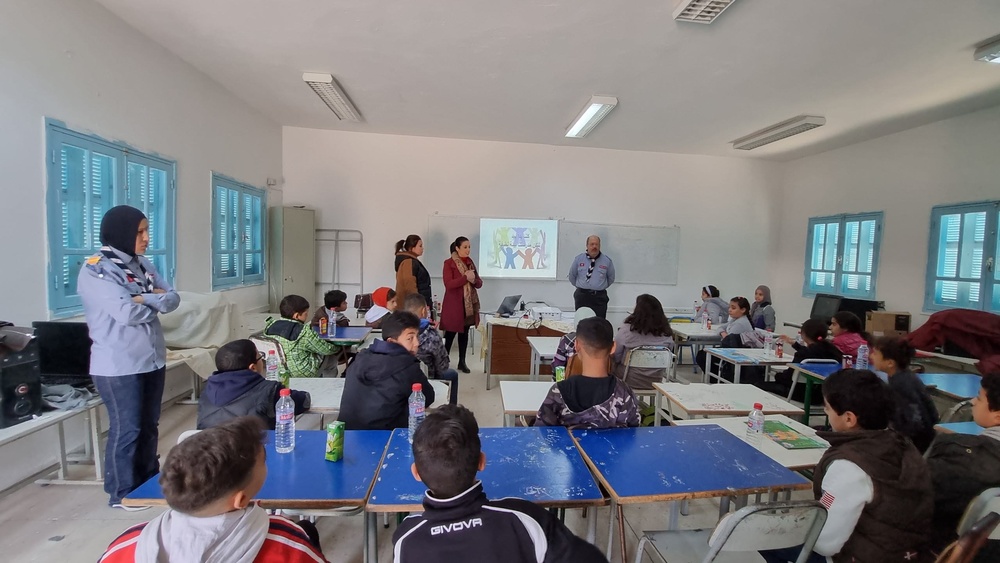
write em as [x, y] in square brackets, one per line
[518, 248]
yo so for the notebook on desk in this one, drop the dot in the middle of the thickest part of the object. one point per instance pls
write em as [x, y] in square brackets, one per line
[63, 353]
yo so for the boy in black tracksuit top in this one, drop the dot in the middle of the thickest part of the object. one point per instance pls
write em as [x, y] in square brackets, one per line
[381, 377]
[459, 523]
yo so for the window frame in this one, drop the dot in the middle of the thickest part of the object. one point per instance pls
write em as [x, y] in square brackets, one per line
[838, 272]
[117, 191]
[241, 279]
[989, 279]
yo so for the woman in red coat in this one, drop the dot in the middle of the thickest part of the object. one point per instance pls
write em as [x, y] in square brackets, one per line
[460, 308]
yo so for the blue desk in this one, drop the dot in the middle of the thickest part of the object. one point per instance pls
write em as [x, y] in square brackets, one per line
[740, 357]
[303, 479]
[970, 428]
[674, 463]
[346, 335]
[956, 386]
[811, 373]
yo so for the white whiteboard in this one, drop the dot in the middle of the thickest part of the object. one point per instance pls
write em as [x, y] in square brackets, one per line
[647, 255]
[642, 254]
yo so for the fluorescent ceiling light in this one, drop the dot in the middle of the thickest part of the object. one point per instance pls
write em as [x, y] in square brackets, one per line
[779, 131]
[989, 53]
[332, 95]
[700, 11]
[592, 114]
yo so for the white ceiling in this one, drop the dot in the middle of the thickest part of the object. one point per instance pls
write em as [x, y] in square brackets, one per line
[521, 70]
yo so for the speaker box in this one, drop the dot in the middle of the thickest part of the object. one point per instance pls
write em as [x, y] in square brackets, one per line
[20, 385]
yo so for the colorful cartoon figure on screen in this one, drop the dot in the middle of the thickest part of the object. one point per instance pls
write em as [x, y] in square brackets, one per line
[528, 256]
[519, 236]
[542, 253]
[509, 254]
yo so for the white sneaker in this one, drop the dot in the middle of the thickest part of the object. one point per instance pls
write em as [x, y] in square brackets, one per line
[129, 508]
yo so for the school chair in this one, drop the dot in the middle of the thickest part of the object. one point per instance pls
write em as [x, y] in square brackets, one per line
[186, 434]
[988, 501]
[968, 545]
[650, 357]
[740, 535]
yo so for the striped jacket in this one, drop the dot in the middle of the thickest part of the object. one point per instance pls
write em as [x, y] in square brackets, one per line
[285, 543]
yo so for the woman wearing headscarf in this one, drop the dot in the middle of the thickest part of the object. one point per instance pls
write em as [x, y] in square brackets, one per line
[122, 296]
[761, 311]
[411, 275]
[460, 308]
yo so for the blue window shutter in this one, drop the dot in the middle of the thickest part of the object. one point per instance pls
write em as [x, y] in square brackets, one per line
[237, 233]
[842, 255]
[961, 259]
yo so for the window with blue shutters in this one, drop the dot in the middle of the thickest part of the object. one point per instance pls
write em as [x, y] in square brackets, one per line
[237, 233]
[87, 176]
[962, 258]
[842, 255]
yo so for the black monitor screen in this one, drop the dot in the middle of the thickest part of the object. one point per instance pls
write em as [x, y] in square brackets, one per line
[824, 307]
[63, 348]
[509, 305]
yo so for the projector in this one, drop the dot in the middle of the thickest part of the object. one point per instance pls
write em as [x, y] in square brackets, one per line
[546, 313]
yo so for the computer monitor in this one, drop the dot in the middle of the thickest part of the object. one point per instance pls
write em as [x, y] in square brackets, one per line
[824, 307]
[63, 351]
[508, 305]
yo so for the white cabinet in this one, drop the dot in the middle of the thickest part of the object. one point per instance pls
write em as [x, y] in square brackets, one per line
[292, 245]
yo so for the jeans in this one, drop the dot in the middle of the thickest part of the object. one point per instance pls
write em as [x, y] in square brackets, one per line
[790, 555]
[451, 376]
[133, 403]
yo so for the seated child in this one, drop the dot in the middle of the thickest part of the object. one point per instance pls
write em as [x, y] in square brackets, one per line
[847, 333]
[306, 354]
[431, 350]
[381, 377]
[209, 481]
[334, 305]
[916, 414]
[646, 326]
[383, 303]
[565, 350]
[815, 346]
[592, 399]
[446, 456]
[962, 465]
[717, 309]
[874, 484]
[739, 322]
[238, 388]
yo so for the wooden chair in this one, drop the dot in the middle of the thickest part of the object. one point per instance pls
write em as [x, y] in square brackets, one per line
[967, 546]
[739, 536]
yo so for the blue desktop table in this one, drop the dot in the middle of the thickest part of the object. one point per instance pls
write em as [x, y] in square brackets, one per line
[970, 428]
[542, 465]
[346, 335]
[675, 463]
[955, 386]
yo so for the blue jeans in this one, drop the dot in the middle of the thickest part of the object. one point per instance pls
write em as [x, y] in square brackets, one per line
[451, 376]
[133, 403]
[790, 555]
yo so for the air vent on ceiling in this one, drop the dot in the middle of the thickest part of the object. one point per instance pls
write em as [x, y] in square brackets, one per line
[700, 11]
[779, 131]
[332, 95]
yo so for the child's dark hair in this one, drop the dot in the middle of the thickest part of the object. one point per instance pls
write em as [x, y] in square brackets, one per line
[742, 303]
[896, 349]
[407, 243]
[596, 335]
[333, 299]
[446, 450]
[711, 290]
[814, 329]
[458, 242]
[236, 355]
[648, 317]
[390, 295]
[991, 383]
[211, 464]
[393, 325]
[291, 305]
[413, 303]
[848, 321]
[863, 393]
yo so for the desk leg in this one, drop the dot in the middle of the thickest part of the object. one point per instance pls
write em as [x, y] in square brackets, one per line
[807, 405]
[62, 451]
[508, 420]
[611, 529]
[673, 519]
[685, 509]
[370, 537]
[723, 507]
[535, 360]
[591, 525]
[657, 403]
[95, 436]
[736, 372]
[621, 531]
[489, 354]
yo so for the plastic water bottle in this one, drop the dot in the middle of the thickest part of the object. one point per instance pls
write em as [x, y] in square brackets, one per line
[755, 425]
[272, 367]
[284, 423]
[416, 408]
[862, 362]
[768, 344]
[704, 321]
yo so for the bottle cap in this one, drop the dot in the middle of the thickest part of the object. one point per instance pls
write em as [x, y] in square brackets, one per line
[758, 406]
[285, 392]
[270, 352]
[417, 387]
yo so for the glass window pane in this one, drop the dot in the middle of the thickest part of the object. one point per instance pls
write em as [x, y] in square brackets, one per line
[850, 263]
[830, 256]
[866, 247]
[819, 238]
[956, 293]
[947, 258]
[971, 245]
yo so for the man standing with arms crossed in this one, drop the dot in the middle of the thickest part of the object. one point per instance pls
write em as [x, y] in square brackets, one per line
[591, 274]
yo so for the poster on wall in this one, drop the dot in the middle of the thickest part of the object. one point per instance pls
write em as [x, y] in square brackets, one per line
[518, 248]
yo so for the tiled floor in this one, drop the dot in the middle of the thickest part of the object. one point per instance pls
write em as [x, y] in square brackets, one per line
[73, 523]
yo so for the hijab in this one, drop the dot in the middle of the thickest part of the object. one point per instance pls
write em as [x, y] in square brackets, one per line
[760, 305]
[119, 228]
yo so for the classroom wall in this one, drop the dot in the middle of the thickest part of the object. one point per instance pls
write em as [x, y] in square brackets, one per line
[387, 185]
[904, 175]
[74, 61]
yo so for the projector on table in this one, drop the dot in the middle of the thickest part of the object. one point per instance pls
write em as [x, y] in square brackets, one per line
[546, 313]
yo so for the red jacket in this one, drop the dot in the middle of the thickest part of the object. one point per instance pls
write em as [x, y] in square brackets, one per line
[453, 306]
[976, 332]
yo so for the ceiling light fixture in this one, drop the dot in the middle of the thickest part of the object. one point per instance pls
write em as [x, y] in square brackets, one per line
[779, 131]
[592, 114]
[989, 53]
[700, 11]
[332, 95]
